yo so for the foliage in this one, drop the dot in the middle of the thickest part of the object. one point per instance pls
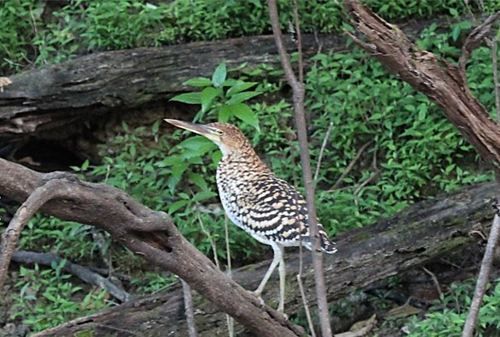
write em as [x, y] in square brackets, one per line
[71, 240]
[141, 167]
[47, 297]
[413, 153]
[449, 321]
[150, 282]
[85, 26]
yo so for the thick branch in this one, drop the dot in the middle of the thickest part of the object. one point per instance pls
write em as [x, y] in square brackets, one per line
[152, 235]
[439, 80]
[422, 233]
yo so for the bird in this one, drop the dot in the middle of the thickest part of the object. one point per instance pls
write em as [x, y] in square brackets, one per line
[268, 208]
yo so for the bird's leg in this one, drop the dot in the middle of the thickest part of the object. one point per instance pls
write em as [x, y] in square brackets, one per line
[282, 272]
[276, 259]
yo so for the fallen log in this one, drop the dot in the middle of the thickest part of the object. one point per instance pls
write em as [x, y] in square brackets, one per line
[57, 95]
[423, 232]
[45, 101]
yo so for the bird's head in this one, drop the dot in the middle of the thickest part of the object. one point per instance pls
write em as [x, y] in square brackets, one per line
[228, 137]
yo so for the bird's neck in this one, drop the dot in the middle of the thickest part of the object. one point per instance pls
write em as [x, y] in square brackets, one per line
[243, 157]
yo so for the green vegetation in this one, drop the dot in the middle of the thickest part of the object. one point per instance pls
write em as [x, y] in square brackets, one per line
[47, 297]
[448, 316]
[29, 37]
[410, 151]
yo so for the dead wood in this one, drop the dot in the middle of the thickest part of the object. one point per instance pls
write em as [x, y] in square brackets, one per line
[83, 273]
[45, 101]
[426, 231]
[446, 84]
[150, 234]
[441, 81]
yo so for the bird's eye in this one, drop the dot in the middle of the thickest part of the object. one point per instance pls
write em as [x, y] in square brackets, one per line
[219, 132]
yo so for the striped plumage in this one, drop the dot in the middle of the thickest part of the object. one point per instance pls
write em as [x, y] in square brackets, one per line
[266, 207]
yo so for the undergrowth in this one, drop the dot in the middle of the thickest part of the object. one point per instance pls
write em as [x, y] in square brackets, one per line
[29, 36]
[448, 315]
[412, 153]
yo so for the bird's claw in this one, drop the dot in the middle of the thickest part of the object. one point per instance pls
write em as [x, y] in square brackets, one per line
[259, 297]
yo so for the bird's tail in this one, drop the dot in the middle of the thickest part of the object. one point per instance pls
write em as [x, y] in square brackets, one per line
[327, 246]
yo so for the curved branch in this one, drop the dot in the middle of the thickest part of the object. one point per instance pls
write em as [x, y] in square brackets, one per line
[10, 236]
[152, 235]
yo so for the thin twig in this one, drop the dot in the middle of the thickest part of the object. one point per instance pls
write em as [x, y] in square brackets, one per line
[496, 81]
[83, 273]
[350, 166]
[188, 309]
[482, 278]
[435, 281]
[300, 122]
[374, 175]
[303, 294]
[10, 237]
[322, 150]
[484, 272]
[474, 39]
[211, 240]
[299, 40]
[229, 319]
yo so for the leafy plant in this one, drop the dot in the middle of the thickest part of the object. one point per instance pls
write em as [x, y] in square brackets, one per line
[86, 26]
[46, 297]
[450, 320]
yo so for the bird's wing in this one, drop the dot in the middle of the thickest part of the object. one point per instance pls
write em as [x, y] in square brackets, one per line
[279, 213]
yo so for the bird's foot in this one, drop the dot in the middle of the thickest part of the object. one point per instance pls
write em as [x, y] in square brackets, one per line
[259, 297]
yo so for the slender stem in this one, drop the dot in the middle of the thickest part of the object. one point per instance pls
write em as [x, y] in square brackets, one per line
[494, 236]
[496, 81]
[321, 151]
[229, 319]
[482, 278]
[300, 122]
[303, 294]
[188, 308]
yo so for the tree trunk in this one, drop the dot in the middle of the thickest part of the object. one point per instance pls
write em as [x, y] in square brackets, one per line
[417, 235]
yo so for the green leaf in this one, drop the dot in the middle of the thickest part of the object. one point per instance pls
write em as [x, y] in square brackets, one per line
[224, 113]
[243, 112]
[219, 75]
[175, 206]
[198, 82]
[198, 180]
[242, 97]
[189, 98]
[207, 96]
[240, 86]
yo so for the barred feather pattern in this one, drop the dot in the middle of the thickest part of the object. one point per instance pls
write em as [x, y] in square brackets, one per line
[266, 207]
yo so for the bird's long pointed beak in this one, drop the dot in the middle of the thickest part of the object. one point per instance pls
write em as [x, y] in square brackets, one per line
[196, 128]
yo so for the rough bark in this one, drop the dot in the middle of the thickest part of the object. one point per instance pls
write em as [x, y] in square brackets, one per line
[446, 84]
[443, 82]
[423, 232]
[96, 84]
[88, 87]
[150, 234]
